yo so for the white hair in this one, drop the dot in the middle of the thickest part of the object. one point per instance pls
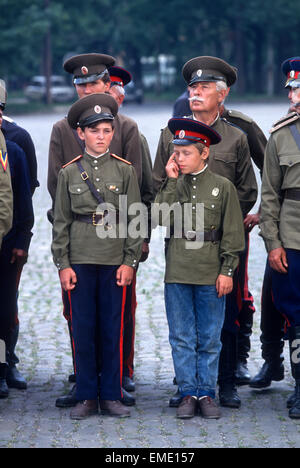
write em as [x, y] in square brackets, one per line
[221, 86]
[119, 89]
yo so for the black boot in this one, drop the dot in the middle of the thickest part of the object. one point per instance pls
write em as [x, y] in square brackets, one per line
[228, 359]
[67, 401]
[4, 391]
[242, 375]
[294, 340]
[270, 371]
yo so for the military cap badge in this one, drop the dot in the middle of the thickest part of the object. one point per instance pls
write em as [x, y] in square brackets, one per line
[84, 70]
[97, 109]
[215, 192]
[199, 73]
[181, 134]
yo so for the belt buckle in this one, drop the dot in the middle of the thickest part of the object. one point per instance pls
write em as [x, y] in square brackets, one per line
[84, 175]
[94, 220]
[190, 235]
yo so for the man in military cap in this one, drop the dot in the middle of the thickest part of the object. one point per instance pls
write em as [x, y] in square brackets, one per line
[208, 80]
[119, 79]
[279, 220]
[94, 266]
[18, 135]
[199, 263]
[90, 75]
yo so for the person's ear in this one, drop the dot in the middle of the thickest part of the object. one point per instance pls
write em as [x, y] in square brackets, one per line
[80, 133]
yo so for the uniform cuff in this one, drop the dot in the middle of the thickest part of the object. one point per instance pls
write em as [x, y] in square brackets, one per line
[227, 270]
[131, 261]
[62, 263]
[272, 244]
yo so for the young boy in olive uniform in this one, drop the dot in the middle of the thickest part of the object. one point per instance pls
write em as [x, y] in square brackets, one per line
[95, 269]
[198, 276]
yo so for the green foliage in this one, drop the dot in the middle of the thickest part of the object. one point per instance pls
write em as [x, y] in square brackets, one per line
[246, 33]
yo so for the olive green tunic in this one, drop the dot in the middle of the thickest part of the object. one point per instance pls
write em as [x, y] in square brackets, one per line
[280, 218]
[76, 242]
[6, 195]
[230, 158]
[65, 145]
[201, 266]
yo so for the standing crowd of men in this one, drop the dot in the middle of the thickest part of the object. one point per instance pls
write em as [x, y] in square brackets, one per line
[204, 154]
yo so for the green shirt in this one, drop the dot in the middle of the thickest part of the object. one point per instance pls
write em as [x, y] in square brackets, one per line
[6, 195]
[230, 158]
[77, 242]
[185, 263]
[280, 220]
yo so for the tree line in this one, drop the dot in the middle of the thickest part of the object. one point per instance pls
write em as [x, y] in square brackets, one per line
[253, 35]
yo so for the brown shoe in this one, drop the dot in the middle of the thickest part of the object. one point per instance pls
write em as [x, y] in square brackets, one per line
[84, 409]
[209, 408]
[114, 408]
[187, 408]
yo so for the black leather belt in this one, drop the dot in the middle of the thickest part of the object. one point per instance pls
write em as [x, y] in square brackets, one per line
[214, 235]
[292, 194]
[96, 219]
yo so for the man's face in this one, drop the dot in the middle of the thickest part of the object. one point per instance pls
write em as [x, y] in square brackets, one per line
[294, 95]
[97, 139]
[204, 97]
[85, 89]
[116, 95]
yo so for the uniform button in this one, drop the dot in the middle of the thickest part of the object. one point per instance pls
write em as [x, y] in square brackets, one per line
[97, 180]
[78, 190]
[117, 190]
[194, 187]
[212, 206]
[95, 162]
[96, 168]
[194, 178]
[194, 196]
[98, 190]
[194, 207]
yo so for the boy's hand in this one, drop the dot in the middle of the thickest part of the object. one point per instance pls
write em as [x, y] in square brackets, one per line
[68, 279]
[172, 169]
[124, 275]
[224, 285]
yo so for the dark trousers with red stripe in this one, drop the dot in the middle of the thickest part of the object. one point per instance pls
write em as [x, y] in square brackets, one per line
[97, 316]
[8, 294]
[129, 329]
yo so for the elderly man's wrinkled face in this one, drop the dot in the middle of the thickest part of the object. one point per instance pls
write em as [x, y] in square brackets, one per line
[294, 95]
[204, 97]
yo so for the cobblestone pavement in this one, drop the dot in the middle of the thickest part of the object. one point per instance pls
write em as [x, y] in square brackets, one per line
[30, 419]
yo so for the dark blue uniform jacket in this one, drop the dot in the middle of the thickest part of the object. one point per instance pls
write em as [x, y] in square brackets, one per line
[20, 235]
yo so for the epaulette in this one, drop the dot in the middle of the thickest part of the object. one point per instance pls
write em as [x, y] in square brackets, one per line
[233, 125]
[239, 115]
[120, 159]
[287, 120]
[73, 160]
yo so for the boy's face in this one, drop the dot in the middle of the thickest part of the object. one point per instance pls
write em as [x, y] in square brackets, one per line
[98, 138]
[189, 159]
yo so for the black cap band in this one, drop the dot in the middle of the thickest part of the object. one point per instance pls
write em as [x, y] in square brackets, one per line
[94, 118]
[77, 80]
[198, 79]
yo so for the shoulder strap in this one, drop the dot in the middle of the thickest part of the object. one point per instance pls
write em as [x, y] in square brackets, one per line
[296, 134]
[85, 177]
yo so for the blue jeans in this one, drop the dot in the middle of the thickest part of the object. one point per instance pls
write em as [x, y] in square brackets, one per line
[195, 316]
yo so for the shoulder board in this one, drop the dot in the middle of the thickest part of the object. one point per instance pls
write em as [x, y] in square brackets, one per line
[73, 160]
[8, 119]
[239, 115]
[284, 121]
[120, 159]
[233, 125]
